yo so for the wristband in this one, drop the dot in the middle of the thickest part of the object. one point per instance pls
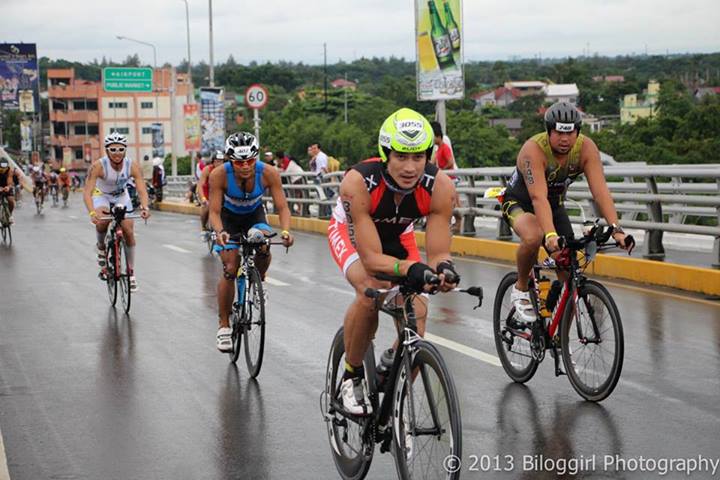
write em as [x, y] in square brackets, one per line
[551, 234]
[93, 213]
[284, 233]
[396, 268]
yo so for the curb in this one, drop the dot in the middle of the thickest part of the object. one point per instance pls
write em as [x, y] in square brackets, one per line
[672, 275]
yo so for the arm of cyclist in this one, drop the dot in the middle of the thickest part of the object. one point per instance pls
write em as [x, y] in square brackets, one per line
[204, 178]
[136, 173]
[363, 234]
[272, 177]
[217, 188]
[438, 236]
[593, 170]
[95, 171]
[531, 163]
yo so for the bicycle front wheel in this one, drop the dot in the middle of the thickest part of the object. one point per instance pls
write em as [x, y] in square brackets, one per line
[427, 428]
[513, 345]
[351, 440]
[124, 276]
[254, 323]
[110, 279]
[592, 342]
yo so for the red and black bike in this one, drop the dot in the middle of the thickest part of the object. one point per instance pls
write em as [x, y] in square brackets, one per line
[117, 271]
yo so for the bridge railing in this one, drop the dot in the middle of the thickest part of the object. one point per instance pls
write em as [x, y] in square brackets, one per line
[652, 198]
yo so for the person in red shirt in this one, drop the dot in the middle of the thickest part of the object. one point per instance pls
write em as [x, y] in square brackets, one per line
[444, 158]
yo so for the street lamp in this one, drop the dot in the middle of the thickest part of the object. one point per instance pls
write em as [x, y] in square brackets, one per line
[212, 60]
[120, 37]
[187, 24]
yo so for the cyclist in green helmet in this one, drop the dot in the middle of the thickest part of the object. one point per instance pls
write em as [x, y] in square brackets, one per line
[380, 198]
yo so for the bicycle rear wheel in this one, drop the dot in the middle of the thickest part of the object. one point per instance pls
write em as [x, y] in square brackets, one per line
[110, 280]
[512, 345]
[592, 342]
[124, 276]
[254, 323]
[427, 427]
[351, 439]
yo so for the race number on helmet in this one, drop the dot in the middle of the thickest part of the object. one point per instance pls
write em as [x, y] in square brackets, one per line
[405, 131]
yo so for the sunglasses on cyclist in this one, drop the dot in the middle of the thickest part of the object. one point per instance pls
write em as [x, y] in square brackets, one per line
[249, 161]
[116, 149]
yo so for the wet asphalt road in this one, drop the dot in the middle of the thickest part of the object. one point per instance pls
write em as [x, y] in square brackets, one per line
[88, 393]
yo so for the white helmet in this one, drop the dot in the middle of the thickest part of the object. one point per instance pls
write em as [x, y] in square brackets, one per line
[36, 168]
[157, 161]
[115, 138]
[242, 146]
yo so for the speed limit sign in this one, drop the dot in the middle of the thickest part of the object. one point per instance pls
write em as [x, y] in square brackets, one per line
[256, 96]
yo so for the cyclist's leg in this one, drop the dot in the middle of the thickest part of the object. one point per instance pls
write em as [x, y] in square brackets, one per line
[226, 285]
[263, 257]
[523, 221]
[11, 203]
[204, 215]
[563, 227]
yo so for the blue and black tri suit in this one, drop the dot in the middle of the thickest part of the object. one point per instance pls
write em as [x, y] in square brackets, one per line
[242, 210]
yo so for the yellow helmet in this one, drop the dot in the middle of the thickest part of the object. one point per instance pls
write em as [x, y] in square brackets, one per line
[62, 169]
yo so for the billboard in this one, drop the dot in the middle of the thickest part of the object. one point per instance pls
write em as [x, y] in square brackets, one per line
[158, 140]
[192, 127]
[212, 120]
[19, 77]
[438, 44]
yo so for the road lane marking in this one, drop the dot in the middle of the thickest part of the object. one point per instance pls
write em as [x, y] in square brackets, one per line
[460, 348]
[73, 217]
[175, 248]
[4, 473]
[278, 283]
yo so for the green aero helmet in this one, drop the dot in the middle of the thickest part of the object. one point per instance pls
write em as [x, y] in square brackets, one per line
[405, 131]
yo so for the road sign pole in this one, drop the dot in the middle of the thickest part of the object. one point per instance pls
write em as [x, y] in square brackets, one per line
[256, 121]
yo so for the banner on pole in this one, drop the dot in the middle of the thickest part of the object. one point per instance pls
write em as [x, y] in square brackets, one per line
[438, 40]
[158, 140]
[212, 120]
[26, 135]
[193, 133]
[19, 77]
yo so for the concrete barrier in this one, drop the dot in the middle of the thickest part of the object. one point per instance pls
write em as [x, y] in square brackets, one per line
[683, 277]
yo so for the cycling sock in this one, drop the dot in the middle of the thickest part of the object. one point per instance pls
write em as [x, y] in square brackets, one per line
[353, 372]
[100, 238]
[131, 257]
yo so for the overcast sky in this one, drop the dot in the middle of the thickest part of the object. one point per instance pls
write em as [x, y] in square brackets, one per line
[294, 30]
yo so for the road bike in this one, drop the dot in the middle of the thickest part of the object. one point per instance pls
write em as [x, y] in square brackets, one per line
[117, 271]
[416, 410]
[576, 319]
[247, 317]
[65, 193]
[39, 194]
[54, 195]
[5, 225]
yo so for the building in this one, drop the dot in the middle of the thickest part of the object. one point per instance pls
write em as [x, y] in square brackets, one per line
[514, 125]
[82, 113]
[501, 97]
[526, 87]
[562, 92]
[704, 91]
[609, 79]
[342, 83]
[632, 107]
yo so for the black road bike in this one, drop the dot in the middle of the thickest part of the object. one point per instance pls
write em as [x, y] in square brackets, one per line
[247, 318]
[576, 320]
[416, 411]
[5, 226]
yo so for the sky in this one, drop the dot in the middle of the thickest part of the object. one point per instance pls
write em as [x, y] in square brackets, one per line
[295, 30]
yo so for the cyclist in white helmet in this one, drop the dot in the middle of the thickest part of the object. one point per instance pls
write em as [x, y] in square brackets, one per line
[106, 187]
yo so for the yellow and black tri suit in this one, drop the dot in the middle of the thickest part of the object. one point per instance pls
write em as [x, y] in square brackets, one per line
[558, 177]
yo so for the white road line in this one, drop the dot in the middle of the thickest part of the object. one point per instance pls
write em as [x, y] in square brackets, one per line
[73, 217]
[459, 347]
[175, 248]
[278, 283]
[4, 472]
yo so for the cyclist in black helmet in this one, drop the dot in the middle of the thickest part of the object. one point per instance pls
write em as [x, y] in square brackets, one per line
[533, 202]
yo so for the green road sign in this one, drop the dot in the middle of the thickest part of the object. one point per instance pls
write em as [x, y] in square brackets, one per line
[127, 79]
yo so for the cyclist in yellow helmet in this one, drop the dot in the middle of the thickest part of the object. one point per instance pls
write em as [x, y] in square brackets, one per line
[373, 223]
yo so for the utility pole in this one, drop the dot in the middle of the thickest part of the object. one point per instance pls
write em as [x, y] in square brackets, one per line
[212, 59]
[325, 72]
[345, 87]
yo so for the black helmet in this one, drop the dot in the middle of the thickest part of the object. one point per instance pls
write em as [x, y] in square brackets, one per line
[242, 146]
[565, 114]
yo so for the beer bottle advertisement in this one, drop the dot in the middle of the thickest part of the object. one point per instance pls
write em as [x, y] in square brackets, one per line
[439, 65]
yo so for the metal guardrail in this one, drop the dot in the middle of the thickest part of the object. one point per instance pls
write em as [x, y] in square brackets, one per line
[652, 198]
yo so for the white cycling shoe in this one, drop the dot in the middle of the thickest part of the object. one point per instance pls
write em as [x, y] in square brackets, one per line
[354, 396]
[224, 339]
[524, 311]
